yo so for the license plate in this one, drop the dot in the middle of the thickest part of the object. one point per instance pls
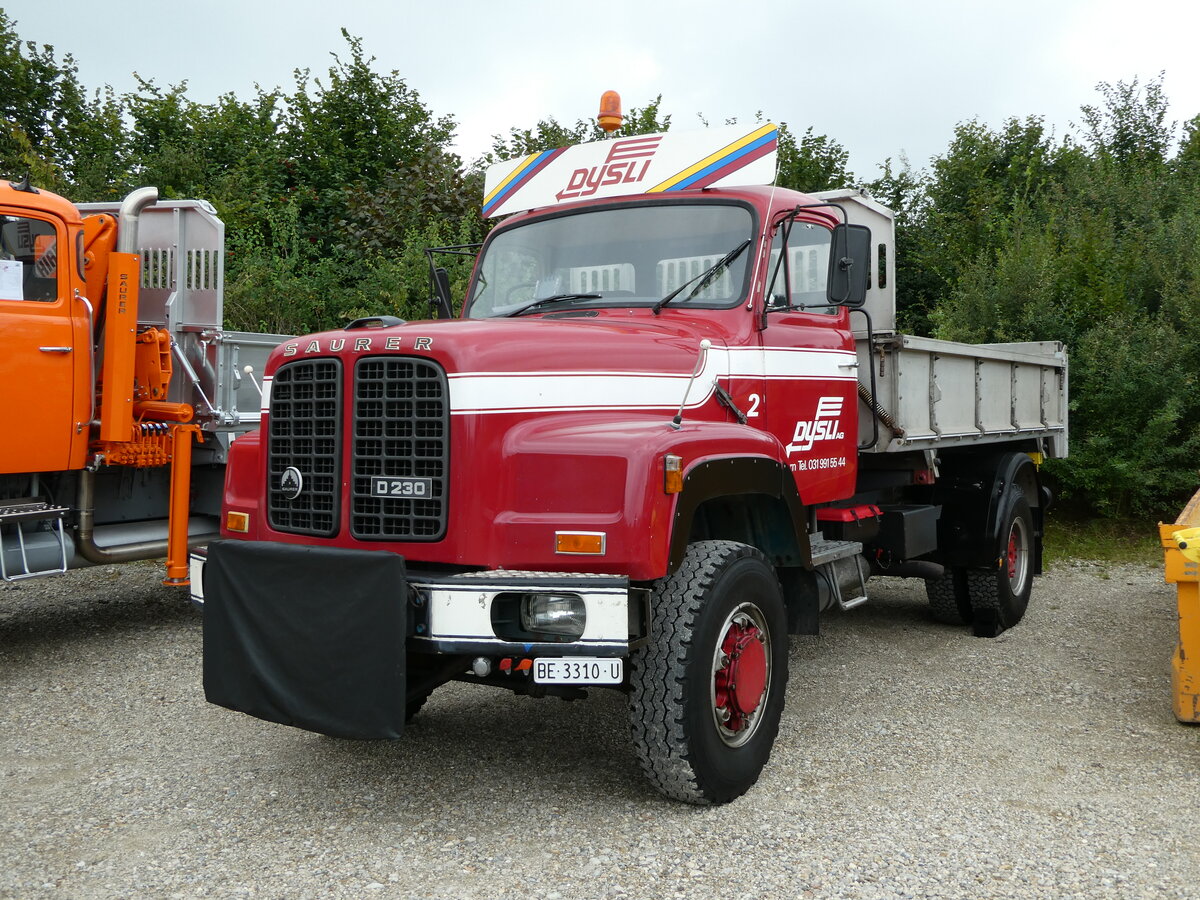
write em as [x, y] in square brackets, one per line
[401, 487]
[579, 670]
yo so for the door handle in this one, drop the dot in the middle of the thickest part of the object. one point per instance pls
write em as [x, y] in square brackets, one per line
[55, 349]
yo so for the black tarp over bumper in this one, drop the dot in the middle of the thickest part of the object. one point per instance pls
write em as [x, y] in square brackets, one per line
[307, 636]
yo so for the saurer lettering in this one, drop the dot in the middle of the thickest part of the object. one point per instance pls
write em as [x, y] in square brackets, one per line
[360, 345]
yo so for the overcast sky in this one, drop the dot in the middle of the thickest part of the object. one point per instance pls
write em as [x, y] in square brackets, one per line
[881, 77]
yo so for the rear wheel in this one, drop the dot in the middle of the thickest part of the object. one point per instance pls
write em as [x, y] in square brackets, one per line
[423, 678]
[999, 594]
[708, 688]
[949, 601]
[414, 704]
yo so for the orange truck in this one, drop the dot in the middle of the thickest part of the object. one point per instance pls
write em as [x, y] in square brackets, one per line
[120, 391]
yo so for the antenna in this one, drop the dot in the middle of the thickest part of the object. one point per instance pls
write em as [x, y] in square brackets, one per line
[704, 346]
[249, 370]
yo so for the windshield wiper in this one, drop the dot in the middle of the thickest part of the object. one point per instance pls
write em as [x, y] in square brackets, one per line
[554, 298]
[703, 278]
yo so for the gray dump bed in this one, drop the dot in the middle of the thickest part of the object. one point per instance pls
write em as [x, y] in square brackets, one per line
[919, 393]
[934, 394]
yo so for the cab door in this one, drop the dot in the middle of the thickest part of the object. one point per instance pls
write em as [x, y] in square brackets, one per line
[37, 356]
[811, 385]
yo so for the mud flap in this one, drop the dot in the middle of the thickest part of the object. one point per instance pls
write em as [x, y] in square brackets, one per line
[307, 636]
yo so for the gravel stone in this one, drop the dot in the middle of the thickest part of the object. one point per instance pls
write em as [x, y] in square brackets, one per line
[913, 761]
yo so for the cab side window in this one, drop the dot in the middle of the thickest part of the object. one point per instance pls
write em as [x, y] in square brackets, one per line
[799, 283]
[28, 259]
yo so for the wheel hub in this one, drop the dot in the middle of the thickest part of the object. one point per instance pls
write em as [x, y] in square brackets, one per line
[741, 678]
[1017, 556]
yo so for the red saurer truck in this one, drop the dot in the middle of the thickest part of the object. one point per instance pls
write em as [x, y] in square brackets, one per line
[673, 424]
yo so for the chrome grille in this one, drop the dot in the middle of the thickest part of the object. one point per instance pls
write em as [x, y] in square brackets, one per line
[305, 433]
[401, 421]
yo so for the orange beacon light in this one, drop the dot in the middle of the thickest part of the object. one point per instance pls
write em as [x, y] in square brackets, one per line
[610, 111]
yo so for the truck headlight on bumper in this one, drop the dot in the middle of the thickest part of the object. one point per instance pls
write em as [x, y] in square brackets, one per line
[558, 614]
[499, 612]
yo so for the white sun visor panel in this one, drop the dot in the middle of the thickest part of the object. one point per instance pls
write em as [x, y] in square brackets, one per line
[648, 164]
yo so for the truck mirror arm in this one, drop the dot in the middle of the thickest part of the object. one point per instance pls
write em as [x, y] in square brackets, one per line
[845, 265]
[787, 220]
[441, 302]
[871, 400]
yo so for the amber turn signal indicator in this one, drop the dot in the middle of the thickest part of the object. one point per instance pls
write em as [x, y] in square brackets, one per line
[237, 522]
[579, 542]
[672, 473]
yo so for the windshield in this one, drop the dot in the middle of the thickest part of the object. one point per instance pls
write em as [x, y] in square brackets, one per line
[627, 256]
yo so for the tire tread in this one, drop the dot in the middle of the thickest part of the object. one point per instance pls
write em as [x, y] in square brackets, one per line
[948, 599]
[995, 608]
[659, 670]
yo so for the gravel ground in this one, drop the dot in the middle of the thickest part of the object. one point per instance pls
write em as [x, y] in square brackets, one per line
[913, 761]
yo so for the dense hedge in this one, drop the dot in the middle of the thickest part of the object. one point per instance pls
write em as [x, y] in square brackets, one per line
[1093, 240]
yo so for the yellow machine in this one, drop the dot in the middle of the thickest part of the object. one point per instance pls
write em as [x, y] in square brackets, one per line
[1181, 546]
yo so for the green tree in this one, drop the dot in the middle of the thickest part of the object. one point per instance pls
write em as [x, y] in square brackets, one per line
[228, 152]
[986, 181]
[1095, 243]
[1131, 129]
[903, 191]
[815, 162]
[430, 188]
[350, 132]
[51, 130]
[1188, 159]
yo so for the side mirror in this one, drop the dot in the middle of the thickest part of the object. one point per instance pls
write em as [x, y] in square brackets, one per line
[849, 264]
[443, 305]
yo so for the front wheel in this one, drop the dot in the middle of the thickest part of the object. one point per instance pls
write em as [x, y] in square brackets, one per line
[708, 688]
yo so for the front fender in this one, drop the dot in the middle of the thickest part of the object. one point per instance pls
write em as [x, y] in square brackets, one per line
[576, 472]
[778, 528]
[243, 486]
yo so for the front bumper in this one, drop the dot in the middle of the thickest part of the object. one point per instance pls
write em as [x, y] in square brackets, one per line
[469, 613]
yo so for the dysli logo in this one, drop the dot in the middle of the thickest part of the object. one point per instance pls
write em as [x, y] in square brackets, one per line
[627, 163]
[824, 426]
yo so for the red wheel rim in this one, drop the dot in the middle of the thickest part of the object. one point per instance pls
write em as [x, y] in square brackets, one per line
[741, 674]
[1016, 556]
